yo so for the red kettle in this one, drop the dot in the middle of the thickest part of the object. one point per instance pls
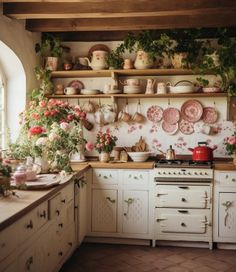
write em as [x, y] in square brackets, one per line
[202, 153]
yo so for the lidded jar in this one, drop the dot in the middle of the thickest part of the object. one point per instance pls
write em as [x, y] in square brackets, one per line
[20, 175]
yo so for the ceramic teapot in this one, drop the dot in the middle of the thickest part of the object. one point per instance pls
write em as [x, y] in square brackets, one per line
[143, 61]
[98, 60]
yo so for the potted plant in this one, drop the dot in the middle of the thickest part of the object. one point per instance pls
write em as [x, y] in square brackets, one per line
[206, 87]
[114, 60]
[104, 144]
[146, 46]
[50, 50]
[186, 50]
[5, 177]
[44, 75]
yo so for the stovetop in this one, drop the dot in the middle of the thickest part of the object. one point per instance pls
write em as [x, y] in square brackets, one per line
[183, 164]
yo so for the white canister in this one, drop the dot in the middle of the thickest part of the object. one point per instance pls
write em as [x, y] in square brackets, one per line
[161, 88]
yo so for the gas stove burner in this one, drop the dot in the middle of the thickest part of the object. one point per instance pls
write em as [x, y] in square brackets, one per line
[169, 162]
[200, 163]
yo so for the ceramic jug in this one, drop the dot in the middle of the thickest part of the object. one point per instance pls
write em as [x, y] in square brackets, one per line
[150, 86]
[98, 60]
[143, 61]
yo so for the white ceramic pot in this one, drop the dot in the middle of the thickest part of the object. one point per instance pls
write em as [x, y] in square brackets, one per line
[104, 157]
[143, 61]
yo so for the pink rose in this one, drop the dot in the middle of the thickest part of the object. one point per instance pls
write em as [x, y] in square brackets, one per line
[231, 140]
[64, 126]
[53, 136]
[42, 104]
[89, 146]
[36, 116]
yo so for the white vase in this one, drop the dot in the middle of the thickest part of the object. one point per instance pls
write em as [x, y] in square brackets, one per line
[42, 164]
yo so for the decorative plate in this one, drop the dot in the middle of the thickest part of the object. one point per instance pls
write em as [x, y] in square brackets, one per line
[209, 115]
[95, 47]
[169, 128]
[154, 114]
[186, 127]
[192, 111]
[171, 115]
[77, 84]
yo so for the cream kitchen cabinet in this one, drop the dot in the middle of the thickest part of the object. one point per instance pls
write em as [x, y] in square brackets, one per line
[119, 203]
[43, 238]
[225, 207]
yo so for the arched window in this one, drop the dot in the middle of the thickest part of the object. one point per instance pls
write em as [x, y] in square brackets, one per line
[2, 111]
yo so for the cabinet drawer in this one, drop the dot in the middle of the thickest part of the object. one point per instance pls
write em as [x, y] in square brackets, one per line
[182, 221]
[105, 176]
[67, 193]
[183, 196]
[8, 240]
[136, 177]
[33, 221]
[226, 178]
[54, 206]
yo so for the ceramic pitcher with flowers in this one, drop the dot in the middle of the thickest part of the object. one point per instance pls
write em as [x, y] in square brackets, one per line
[143, 60]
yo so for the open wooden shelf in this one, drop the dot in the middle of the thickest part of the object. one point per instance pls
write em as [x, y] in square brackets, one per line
[169, 95]
[110, 73]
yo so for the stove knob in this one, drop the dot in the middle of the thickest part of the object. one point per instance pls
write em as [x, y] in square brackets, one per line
[195, 173]
[201, 173]
[174, 173]
[159, 173]
[179, 173]
[184, 173]
[164, 173]
[169, 173]
[189, 173]
[206, 173]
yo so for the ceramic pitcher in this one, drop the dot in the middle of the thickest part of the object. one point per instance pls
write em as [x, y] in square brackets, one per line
[98, 60]
[143, 61]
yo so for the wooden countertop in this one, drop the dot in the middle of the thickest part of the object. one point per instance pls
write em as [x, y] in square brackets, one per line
[114, 165]
[13, 207]
[220, 165]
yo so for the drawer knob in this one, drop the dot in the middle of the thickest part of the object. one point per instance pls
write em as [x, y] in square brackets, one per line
[30, 225]
[43, 214]
[60, 253]
[63, 201]
[58, 212]
[60, 225]
[183, 199]
[183, 224]
[28, 263]
[70, 244]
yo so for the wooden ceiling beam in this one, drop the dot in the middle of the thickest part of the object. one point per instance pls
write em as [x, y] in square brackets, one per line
[115, 8]
[133, 23]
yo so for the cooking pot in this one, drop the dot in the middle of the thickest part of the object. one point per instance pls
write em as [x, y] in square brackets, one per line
[202, 153]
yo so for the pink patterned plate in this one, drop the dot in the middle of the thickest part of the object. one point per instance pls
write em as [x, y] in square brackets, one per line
[77, 84]
[186, 127]
[192, 111]
[169, 128]
[171, 115]
[209, 115]
[154, 114]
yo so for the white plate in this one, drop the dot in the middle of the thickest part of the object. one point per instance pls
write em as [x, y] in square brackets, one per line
[132, 89]
[114, 92]
[89, 91]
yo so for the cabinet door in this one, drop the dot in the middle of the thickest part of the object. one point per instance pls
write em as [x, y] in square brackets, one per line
[104, 210]
[227, 215]
[135, 211]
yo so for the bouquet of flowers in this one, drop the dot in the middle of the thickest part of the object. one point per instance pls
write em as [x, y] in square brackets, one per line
[105, 141]
[230, 143]
[52, 129]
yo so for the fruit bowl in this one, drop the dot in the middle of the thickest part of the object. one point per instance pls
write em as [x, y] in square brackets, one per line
[139, 156]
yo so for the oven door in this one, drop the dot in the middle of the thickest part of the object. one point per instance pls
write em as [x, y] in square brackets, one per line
[182, 221]
[182, 196]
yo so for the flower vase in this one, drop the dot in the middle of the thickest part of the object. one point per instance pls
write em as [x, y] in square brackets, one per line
[104, 157]
[234, 158]
[43, 164]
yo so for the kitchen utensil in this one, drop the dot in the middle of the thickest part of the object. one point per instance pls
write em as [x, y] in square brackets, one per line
[209, 115]
[169, 154]
[150, 86]
[139, 156]
[186, 127]
[171, 115]
[138, 117]
[169, 128]
[70, 91]
[192, 111]
[202, 153]
[154, 114]
[188, 87]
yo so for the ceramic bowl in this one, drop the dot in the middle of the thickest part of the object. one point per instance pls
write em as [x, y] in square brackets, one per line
[139, 156]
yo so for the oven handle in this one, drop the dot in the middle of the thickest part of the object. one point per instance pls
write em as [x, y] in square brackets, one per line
[183, 187]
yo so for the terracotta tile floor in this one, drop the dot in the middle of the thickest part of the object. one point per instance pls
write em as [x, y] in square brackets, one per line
[127, 258]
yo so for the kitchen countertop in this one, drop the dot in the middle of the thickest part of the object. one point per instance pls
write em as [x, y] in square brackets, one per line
[13, 207]
[220, 165]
